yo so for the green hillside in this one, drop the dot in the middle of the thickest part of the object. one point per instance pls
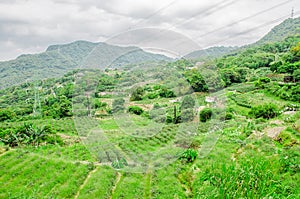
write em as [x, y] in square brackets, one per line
[226, 128]
[60, 59]
[212, 52]
[286, 28]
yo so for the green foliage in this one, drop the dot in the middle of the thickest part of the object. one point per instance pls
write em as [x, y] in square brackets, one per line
[189, 155]
[249, 177]
[6, 114]
[260, 83]
[239, 100]
[266, 111]
[290, 92]
[196, 80]
[118, 105]
[187, 115]
[106, 83]
[166, 93]
[187, 102]
[286, 138]
[119, 163]
[289, 161]
[228, 116]
[205, 114]
[135, 110]
[296, 75]
[137, 94]
[29, 134]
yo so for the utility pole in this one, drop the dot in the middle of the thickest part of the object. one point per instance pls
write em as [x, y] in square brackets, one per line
[37, 102]
[292, 14]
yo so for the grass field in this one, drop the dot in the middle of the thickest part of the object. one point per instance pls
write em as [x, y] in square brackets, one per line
[243, 161]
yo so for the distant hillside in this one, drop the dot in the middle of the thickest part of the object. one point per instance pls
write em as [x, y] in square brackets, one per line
[59, 59]
[286, 28]
[210, 52]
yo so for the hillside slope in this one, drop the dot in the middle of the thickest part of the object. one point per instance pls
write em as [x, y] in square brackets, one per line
[287, 28]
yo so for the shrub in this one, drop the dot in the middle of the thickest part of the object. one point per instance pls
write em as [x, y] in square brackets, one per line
[137, 94]
[205, 114]
[228, 116]
[6, 114]
[187, 115]
[188, 102]
[166, 93]
[189, 155]
[118, 105]
[119, 163]
[29, 134]
[135, 110]
[266, 111]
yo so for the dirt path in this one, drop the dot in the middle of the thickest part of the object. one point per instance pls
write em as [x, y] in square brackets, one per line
[147, 189]
[274, 132]
[5, 152]
[85, 181]
[119, 175]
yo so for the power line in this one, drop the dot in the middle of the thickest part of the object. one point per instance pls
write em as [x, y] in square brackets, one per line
[250, 30]
[205, 12]
[153, 14]
[246, 18]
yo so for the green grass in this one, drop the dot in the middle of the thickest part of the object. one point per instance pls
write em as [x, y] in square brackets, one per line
[31, 176]
[131, 185]
[93, 189]
[166, 185]
[241, 164]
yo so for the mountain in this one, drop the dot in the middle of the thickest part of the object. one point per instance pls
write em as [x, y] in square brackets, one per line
[210, 52]
[57, 60]
[287, 28]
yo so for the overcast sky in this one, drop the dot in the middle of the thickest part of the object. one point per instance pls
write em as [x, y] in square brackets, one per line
[29, 26]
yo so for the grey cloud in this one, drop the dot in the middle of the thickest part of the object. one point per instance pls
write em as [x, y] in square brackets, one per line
[31, 25]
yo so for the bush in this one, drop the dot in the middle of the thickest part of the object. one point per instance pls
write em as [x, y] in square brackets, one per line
[265, 111]
[118, 105]
[135, 110]
[228, 116]
[205, 114]
[187, 115]
[189, 155]
[6, 114]
[137, 94]
[166, 93]
[29, 134]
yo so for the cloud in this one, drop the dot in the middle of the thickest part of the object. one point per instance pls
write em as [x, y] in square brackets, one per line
[29, 26]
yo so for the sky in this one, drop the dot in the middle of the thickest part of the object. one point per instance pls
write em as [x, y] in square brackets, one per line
[30, 26]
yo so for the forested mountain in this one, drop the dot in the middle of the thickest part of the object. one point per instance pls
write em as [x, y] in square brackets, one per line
[286, 28]
[57, 60]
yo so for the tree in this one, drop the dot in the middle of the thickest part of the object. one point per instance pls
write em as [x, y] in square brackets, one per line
[266, 111]
[196, 80]
[137, 94]
[118, 105]
[205, 114]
